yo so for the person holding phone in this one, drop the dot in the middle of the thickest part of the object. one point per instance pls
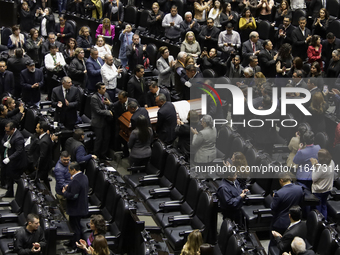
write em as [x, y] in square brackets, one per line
[229, 41]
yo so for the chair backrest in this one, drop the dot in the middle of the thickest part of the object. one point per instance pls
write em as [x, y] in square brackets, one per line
[238, 144]
[143, 18]
[122, 82]
[74, 27]
[315, 226]
[225, 136]
[20, 195]
[101, 186]
[131, 14]
[158, 158]
[182, 181]
[234, 245]
[5, 33]
[327, 242]
[321, 139]
[31, 120]
[170, 171]
[264, 29]
[151, 51]
[334, 27]
[226, 232]
[332, 7]
[252, 156]
[297, 15]
[112, 199]
[91, 173]
[192, 195]
[209, 73]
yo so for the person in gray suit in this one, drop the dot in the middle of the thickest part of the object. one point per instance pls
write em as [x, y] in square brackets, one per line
[165, 66]
[101, 112]
[204, 141]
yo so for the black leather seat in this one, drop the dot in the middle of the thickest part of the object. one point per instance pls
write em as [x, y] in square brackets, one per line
[234, 246]
[333, 7]
[175, 194]
[74, 27]
[151, 51]
[91, 173]
[264, 29]
[166, 181]
[315, 225]
[321, 139]
[131, 15]
[186, 207]
[238, 144]
[328, 242]
[155, 166]
[227, 230]
[143, 24]
[182, 225]
[225, 136]
[334, 27]
[5, 33]
[297, 15]
[97, 199]
[123, 80]
[209, 73]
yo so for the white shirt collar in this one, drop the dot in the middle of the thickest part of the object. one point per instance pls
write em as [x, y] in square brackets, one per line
[294, 223]
[41, 136]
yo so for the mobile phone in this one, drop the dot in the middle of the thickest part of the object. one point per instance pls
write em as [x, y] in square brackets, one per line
[325, 88]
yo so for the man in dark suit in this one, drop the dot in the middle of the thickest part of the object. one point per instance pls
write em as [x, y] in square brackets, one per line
[101, 113]
[16, 64]
[136, 111]
[65, 99]
[296, 228]
[284, 32]
[298, 81]
[251, 47]
[328, 45]
[209, 35]
[283, 199]
[77, 202]
[301, 37]
[45, 148]
[137, 87]
[134, 52]
[51, 40]
[268, 60]
[166, 120]
[154, 91]
[14, 156]
[6, 79]
[93, 66]
[31, 80]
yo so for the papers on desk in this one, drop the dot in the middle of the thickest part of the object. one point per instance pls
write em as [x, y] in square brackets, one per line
[110, 169]
[182, 108]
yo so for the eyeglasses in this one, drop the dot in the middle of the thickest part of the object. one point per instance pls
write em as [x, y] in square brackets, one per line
[82, 52]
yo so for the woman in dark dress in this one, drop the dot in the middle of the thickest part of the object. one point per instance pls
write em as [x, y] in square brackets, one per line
[228, 15]
[155, 20]
[84, 40]
[284, 63]
[282, 12]
[320, 23]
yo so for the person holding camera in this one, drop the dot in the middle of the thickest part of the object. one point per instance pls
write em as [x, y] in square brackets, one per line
[30, 239]
[229, 41]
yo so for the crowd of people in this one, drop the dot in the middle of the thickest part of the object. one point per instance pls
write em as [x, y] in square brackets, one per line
[52, 57]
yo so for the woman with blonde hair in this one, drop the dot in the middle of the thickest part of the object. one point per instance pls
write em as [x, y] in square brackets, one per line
[102, 47]
[192, 246]
[215, 13]
[106, 29]
[191, 46]
[317, 108]
[84, 40]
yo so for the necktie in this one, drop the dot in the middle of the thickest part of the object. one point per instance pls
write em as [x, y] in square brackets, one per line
[67, 93]
[253, 47]
[137, 51]
[102, 98]
[5, 154]
[142, 84]
[98, 63]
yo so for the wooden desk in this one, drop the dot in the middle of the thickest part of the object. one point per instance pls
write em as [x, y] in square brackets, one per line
[124, 120]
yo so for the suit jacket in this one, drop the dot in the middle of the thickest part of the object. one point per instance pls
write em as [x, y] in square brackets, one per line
[16, 154]
[299, 45]
[45, 156]
[93, 73]
[132, 56]
[267, 63]
[302, 84]
[8, 84]
[287, 39]
[46, 45]
[302, 158]
[247, 51]
[50, 22]
[327, 50]
[151, 98]
[31, 95]
[283, 199]
[76, 195]
[134, 117]
[166, 122]
[284, 242]
[16, 65]
[66, 114]
[136, 90]
[205, 143]
[118, 107]
[166, 74]
[100, 113]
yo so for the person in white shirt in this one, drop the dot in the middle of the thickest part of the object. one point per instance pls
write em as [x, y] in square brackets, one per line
[103, 49]
[54, 63]
[110, 74]
[229, 41]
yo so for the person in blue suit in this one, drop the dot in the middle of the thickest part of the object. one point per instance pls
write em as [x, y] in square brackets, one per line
[302, 158]
[77, 201]
[93, 66]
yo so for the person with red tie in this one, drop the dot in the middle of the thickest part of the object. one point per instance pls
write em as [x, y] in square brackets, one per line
[134, 52]
[251, 47]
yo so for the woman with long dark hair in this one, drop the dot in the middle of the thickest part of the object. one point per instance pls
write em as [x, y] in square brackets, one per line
[98, 227]
[26, 17]
[227, 15]
[140, 142]
[69, 51]
[64, 30]
[281, 12]
[246, 24]
[314, 50]
[284, 60]
[33, 46]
